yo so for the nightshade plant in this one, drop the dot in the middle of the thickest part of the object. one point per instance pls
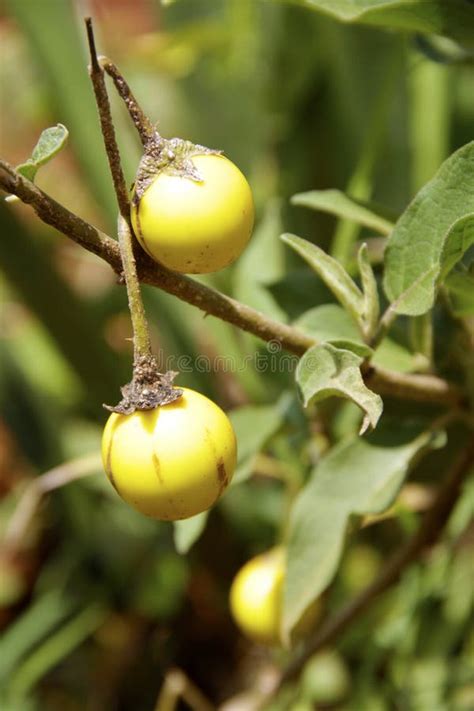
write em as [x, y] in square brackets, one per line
[349, 359]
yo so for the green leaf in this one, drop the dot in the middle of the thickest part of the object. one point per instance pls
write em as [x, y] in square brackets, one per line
[187, 532]
[452, 19]
[55, 648]
[324, 371]
[34, 624]
[371, 310]
[28, 170]
[331, 272]
[329, 323]
[253, 426]
[460, 289]
[393, 356]
[51, 141]
[431, 235]
[359, 476]
[262, 263]
[341, 205]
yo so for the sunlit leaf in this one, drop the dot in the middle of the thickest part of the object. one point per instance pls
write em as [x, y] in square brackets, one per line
[341, 205]
[331, 272]
[431, 235]
[326, 371]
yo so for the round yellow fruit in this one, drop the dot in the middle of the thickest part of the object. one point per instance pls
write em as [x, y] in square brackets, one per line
[256, 596]
[174, 461]
[196, 227]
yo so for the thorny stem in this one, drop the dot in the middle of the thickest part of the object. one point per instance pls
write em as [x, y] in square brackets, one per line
[428, 532]
[424, 388]
[142, 123]
[141, 334]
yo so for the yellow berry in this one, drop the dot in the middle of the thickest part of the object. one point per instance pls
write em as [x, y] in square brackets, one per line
[256, 596]
[196, 227]
[174, 461]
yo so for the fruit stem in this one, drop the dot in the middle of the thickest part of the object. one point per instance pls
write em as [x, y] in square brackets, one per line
[141, 334]
[144, 126]
[108, 131]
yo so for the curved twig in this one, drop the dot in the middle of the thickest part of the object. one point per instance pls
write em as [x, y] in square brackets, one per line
[424, 388]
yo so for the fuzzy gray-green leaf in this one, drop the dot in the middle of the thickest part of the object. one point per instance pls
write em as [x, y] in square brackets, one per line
[326, 371]
[431, 235]
[341, 205]
[359, 476]
[331, 272]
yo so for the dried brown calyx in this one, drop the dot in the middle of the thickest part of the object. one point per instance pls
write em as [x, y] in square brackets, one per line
[148, 389]
[172, 156]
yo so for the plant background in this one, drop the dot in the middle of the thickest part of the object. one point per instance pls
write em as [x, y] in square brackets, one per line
[97, 604]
